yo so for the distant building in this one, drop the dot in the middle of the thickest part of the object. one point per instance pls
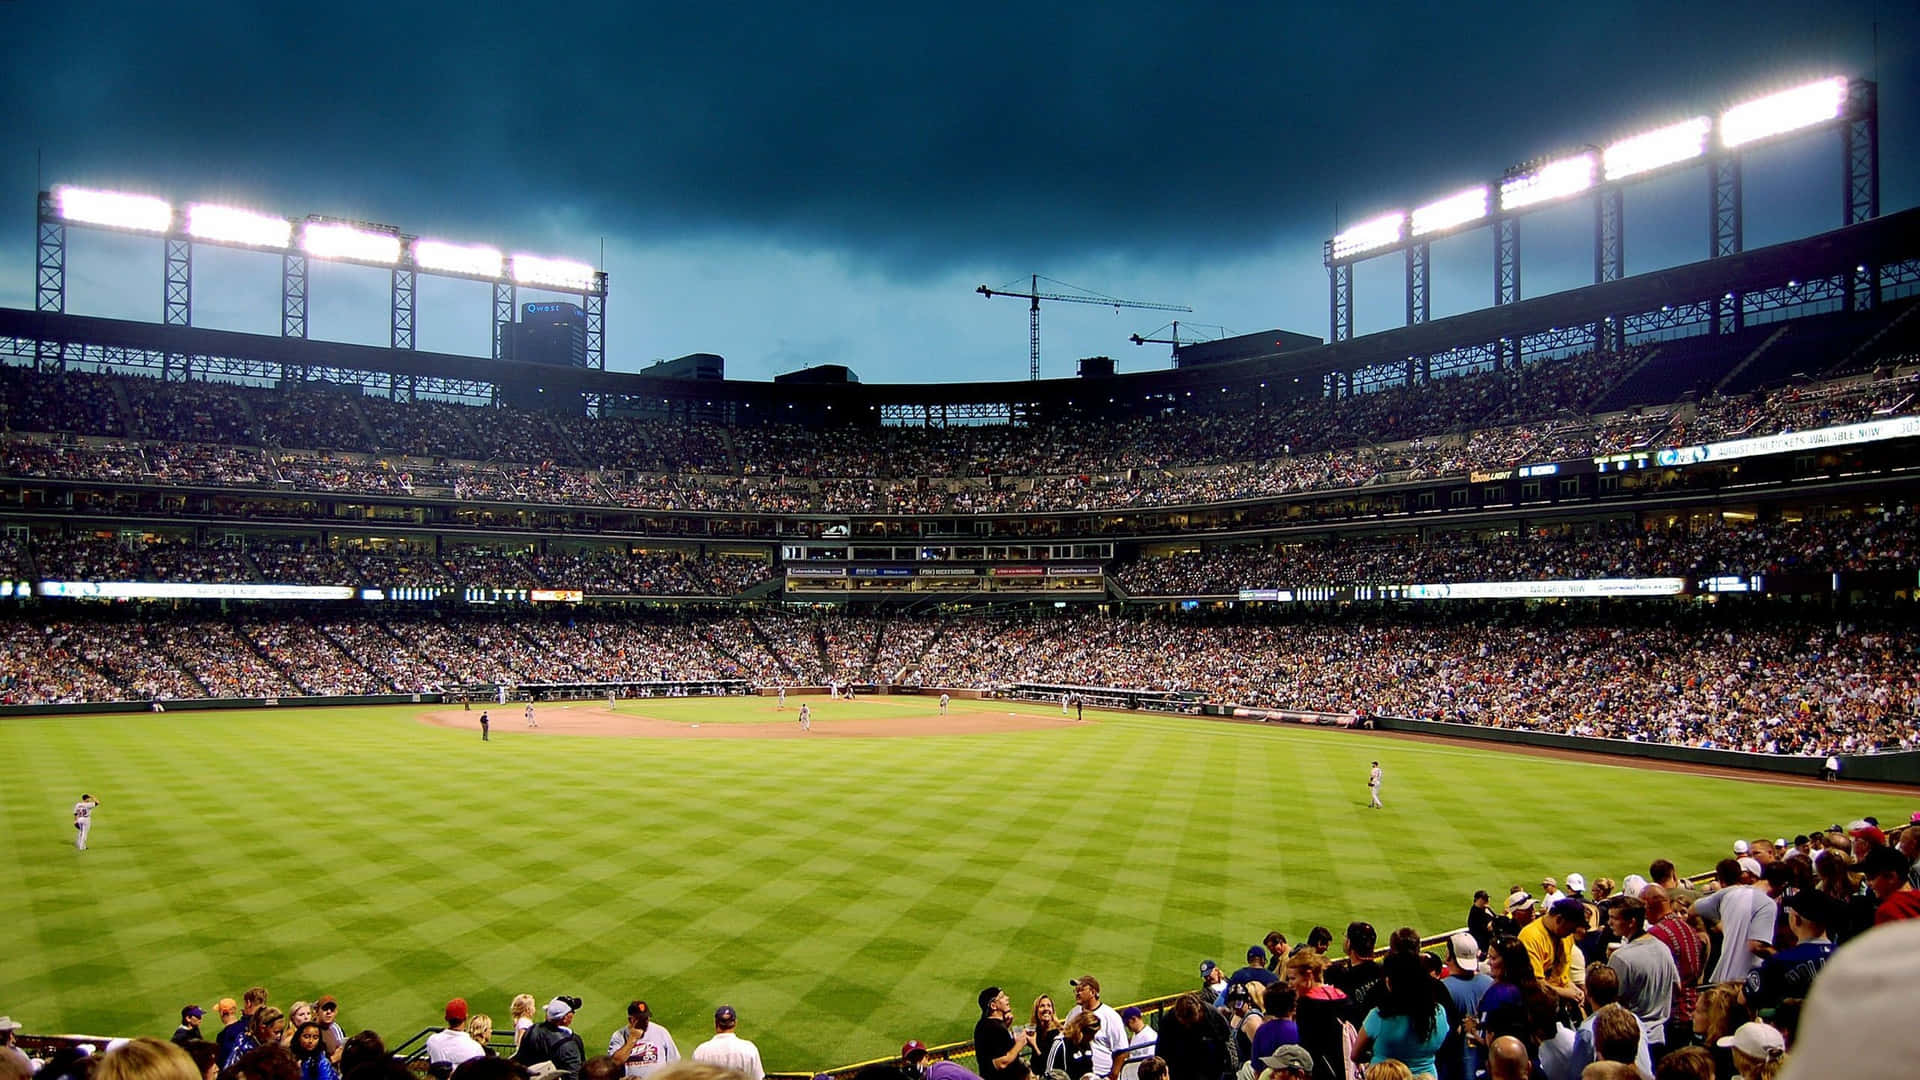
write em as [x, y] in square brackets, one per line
[549, 334]
[1096, 367]
[700, 365]
[820, 374]
[1243, 347]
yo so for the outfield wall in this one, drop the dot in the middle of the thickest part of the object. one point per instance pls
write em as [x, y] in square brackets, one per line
[1899, 767]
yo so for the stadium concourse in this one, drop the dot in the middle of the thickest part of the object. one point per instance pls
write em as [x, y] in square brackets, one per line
[1772, 961]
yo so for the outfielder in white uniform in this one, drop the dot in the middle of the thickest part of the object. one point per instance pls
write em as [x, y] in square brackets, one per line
[1373, 787]
[531, 722]
[83, 821]
[781, 703]
[943, 704]
[806, 717]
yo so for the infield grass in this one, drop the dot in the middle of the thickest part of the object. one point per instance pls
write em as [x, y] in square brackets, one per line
[843, 894]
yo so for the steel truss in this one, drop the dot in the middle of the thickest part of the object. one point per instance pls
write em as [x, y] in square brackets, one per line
[293, 295]
[1796, 298]
[1700, 314]
[1340, 299]
[1419, 294]
[122, 360]
[595, 305]
[402, 312]
[50, 260]
[1463, 360]
[505, 299]
[964, 413]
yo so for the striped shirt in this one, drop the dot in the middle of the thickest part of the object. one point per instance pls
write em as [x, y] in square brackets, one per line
[1679, 938]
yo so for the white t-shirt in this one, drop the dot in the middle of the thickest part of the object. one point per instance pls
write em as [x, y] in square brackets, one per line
[1744, 914]
[654, 1051]
[1112, 1037]
[1139, 1048]
[451, 1047]
[730, 1051]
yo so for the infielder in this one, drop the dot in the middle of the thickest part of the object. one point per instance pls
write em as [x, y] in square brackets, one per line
[944, 700]
[1064, 699]
[1373, 787]
[484, 721]
[531, 722]
[500, 694]
[83, 821]
[806, 717]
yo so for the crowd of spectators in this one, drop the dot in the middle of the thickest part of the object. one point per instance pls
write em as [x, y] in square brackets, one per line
[1883, 540]
[328, 441]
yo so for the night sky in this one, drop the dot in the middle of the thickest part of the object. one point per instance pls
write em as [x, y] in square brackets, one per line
[802, 184]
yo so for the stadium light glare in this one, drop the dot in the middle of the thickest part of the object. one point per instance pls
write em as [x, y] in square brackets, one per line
[1383, 231]
[1554, 180]
[232, 225]
[554, 273]
[1657, 149]
[333, 240]
[1456, 209]
[476, 259]
[114, 209]
[1788, 110]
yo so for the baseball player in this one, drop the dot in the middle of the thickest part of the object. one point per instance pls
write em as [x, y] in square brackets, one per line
[780, 703]
[1373, 787]
[531, 722]
[83, 821]
[944, 701]
[484, 721]
[500, 694]
[806, 716]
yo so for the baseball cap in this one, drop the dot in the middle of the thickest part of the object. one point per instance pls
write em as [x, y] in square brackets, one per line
[1239, 992]
[1780, 842]
[1756, 1040]
[1740, 847]
[1131, 1012]
[1872, 835]
[1290, 1056]
[1576, 883]
[1633, 885]
[192, 1010]
[1518, 901]
[561, 1006]
[725, 1015]
[1571, 910]
[8, 1023]
[1087, 981]
[987, 996]
[912, 1048]
[1751, 865]
[1915, 820]
[1814, 906]
[326, 1001]
[1884, 860]
[1256, 953]
[1208, 967]
[1466, 951]
[457, 1011]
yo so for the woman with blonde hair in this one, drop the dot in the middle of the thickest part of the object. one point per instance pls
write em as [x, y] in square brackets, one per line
[300, 1013]
[145, 1058]
[480, 1029]
[1046, 1030]
[522, 1012]
[1074, 1049]
[1388, 1070]
[1715, 1016]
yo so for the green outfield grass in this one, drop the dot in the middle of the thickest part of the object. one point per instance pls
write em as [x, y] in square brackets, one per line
[844, 894]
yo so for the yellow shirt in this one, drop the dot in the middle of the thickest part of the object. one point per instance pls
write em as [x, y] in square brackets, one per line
[1541, 948]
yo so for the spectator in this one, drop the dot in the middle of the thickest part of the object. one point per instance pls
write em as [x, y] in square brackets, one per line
[1320, 1013]
[1046, 1031]
[309, 1049]
[641, 1046]
[1193, 1040]
[1548, 948]
[1645, 967]
[189, 1029]
[1467, 985]
[451, 1046]
[1789, 974]
[1109, 1036]
[145, 1059]
[1745, 913]
[1409, 1024]
[1887, 873]
[554, 1040]
[996, 1046]
[521, 1009]
[727, 1049]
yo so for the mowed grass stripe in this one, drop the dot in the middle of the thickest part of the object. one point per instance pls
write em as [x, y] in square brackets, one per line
[843, 893]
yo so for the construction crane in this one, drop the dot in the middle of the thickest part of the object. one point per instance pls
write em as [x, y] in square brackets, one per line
[1175, 339]
[1033, 295]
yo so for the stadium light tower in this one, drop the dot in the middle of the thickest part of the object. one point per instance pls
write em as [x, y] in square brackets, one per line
[298, 241]
[1602, 173]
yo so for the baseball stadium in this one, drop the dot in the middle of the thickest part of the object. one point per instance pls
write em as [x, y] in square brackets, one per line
[814, 713]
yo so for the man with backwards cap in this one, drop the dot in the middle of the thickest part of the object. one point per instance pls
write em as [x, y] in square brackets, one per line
[727, 1050]
[641, 1046]
[553, 1039]
[996, 1046]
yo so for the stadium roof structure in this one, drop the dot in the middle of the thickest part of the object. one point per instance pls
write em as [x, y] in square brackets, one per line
[1847, 269]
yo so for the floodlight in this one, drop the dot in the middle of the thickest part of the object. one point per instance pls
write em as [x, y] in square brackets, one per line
[231, 225]
[334, 240]
[554, 273]
[1554, 180]
[1383, 231]
[1789, 110]
[1669, 145]
[476, 259]
[1456, 209]
[142, 213]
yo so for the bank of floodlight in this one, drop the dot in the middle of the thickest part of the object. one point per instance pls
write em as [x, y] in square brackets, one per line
[337, 240]
[1554, 180]
[1456, 209]
[1656, 149]
[232, 225]
[477, 260]
[1383, 231]
[563, 274]
[1788, 110]
[114, 209]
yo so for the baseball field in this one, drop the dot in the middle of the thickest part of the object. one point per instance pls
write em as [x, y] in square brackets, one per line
[845, 889]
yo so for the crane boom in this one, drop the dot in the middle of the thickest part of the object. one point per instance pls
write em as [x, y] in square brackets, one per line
[1033, 296]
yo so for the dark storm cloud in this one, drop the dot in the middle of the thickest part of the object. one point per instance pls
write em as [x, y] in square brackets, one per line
[914, 140]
